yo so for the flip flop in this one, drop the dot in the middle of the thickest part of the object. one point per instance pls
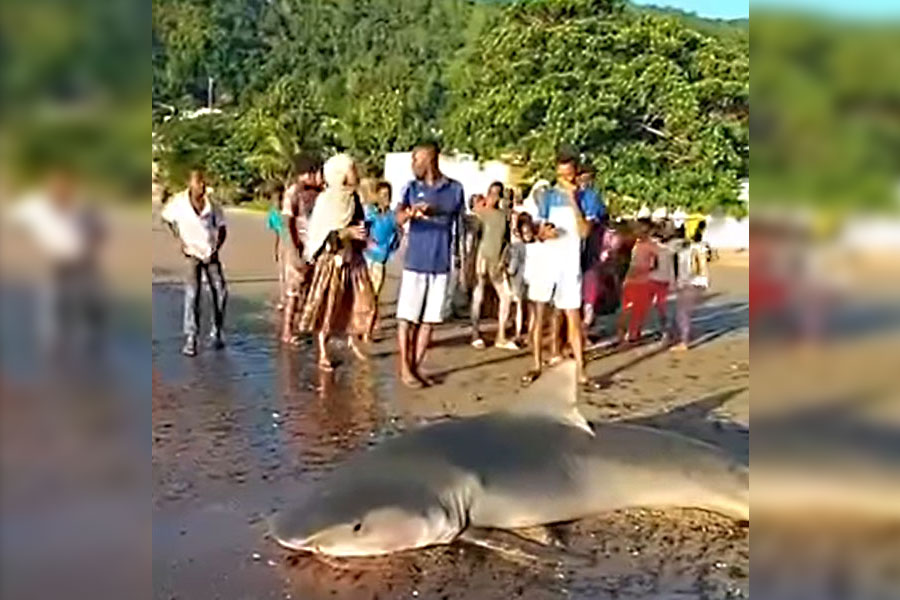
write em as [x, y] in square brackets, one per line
[508, 345]
[530, 377]
[478, 344]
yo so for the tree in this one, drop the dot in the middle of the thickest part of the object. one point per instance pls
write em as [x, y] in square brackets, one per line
[660, 109]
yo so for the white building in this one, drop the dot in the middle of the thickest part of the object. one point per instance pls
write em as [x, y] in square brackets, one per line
[474, 176]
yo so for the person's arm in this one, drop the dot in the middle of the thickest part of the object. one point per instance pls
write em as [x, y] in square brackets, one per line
[357, 229]
[456, 228]
[404, 211]
[293, 229]
[582, 226]
[169, 217]
[220, 241]
[221, 230]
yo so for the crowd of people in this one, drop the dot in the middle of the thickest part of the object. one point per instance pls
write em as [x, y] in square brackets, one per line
[552, 258]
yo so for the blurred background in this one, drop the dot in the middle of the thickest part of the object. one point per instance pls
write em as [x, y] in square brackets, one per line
[74, 300]
[825, 299]
[75, 373]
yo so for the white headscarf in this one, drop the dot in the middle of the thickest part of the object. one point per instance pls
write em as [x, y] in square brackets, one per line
[531, 203]
[334, 207]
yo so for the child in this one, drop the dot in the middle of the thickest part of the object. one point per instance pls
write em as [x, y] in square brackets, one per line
[535, 262]
[275, 224]
[515, 266]
[692, 280]
[489, 268]
[383, 238]
[636, 289]
[662, 278]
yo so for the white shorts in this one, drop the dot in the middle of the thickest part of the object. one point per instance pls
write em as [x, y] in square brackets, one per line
[422, 297]
[564, 290]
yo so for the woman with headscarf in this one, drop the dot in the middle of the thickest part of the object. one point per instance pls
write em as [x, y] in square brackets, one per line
[340, 298]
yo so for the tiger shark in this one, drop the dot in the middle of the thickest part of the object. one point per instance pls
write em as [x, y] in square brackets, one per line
[536, 463]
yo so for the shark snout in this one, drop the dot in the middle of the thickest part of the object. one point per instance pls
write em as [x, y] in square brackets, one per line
[281, 531]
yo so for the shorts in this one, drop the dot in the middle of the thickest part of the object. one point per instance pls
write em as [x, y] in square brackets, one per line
[422, 296]
[563, 291]
[376, 274]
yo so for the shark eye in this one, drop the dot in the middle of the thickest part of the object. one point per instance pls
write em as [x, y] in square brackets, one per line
[357, 527]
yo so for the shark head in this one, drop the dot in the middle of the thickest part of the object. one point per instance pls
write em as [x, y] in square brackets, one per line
[368, 515]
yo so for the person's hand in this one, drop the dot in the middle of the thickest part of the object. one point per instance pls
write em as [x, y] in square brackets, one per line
[570, 190]
[547, 232]
[356, 232]
[420, 210]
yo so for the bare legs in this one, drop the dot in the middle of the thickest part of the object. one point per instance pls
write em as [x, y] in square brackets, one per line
[422, 341]
[520, 318]
[573, 319]
[505, 304]
[477, 297]
[322, 343]
[413, 341]
[573, 322]
[504, 294]
[287, 326]
[537, 341]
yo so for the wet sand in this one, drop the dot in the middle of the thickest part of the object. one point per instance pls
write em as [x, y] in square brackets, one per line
[237, 433]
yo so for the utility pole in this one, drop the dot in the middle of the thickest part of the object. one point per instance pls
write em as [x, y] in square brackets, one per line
[209, 92]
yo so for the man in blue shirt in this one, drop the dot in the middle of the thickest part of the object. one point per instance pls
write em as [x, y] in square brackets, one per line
[433, 205]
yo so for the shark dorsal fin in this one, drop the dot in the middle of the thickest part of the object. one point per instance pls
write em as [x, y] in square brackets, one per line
[554, 395]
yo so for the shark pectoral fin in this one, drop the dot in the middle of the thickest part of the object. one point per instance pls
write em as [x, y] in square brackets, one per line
[554, 395]
[520, 550]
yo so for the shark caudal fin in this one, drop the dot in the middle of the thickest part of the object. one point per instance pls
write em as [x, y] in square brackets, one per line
[554, 395]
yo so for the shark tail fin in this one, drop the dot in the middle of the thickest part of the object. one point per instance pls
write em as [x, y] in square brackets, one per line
[554, 395]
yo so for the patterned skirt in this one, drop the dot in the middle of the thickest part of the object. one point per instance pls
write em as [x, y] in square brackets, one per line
[340, 299]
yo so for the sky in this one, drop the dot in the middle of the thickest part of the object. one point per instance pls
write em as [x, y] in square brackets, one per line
[734, 9]
[714, 9]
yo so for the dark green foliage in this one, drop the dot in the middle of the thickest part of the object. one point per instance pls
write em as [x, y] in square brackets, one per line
[661, 109]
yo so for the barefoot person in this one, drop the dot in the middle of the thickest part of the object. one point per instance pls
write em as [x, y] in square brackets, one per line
[692, 281]
[297, 206]
[432, 204]
[340, 299]
[384, 238]
[200, 225]
[636, 290]
[562, 227]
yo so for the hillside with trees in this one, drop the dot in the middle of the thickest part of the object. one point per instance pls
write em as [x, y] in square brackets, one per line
[661, 107]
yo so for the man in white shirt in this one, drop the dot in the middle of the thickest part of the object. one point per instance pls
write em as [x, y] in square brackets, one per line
[68, 234]
[200, 225]
[561, 229]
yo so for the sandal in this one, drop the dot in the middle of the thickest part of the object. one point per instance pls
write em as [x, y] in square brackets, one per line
[478, 344]
[530, 377]
[508, 345]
